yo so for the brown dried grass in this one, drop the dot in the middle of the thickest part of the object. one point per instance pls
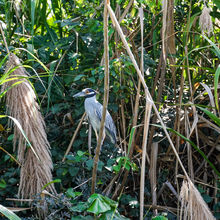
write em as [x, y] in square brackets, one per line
[192, 204]
[205, 21]
[21, 104]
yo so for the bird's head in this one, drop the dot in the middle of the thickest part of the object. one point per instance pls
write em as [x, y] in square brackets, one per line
[86, 93]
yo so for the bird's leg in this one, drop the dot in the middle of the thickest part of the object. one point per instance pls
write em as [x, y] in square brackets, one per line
[90, 140]
[97, 137]
[96, 134]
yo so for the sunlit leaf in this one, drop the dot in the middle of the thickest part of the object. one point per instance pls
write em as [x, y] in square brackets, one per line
[9, 214]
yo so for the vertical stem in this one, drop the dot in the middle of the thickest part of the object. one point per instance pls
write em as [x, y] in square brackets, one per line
[90, 141]
[105, 102]
[144, 151]
[3, 36]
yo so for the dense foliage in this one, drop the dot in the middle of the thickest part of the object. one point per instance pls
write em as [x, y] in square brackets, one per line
[61, 44]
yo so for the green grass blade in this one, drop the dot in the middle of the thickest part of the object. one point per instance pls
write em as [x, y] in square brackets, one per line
[194, 146]
[33, 5]
[54, 181]
[4, 92]
[22, 131]
[8, 213]
[216, 79]
[211, 115]
[130, 139]
[217, 50]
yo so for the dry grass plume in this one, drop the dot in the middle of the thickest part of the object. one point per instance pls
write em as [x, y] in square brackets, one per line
[192, 204]
[21, 104]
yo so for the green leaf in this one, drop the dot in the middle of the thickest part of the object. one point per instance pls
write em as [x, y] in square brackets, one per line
[2, 184]
[207, 198]
[71, 193]
[78, 77]
[80, 207]
[80, 153]
[80, 217]
[91, 79]
[112, 215]
[89, 164]
[98, 205]
[73, 171]
[211, 115]
[33, 5]
[9, 214]
[10, 137]
[160, 217]
[216, 79]
[217, 50]
[130, 139]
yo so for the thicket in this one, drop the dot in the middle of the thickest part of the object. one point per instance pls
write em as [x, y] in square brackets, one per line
[60, 47]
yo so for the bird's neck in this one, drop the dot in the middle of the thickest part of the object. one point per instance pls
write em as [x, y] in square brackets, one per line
[91, 98]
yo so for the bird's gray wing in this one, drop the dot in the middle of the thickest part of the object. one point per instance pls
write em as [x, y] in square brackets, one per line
[109, 124]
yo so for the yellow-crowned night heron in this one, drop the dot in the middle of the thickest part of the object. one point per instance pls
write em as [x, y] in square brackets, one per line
[94, 112]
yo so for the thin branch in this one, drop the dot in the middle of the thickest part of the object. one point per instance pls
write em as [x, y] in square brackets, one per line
[3, 36]
[74, 137]
[105, 102]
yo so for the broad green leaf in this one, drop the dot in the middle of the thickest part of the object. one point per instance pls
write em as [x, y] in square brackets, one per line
[80, 207]
[78, 77]
[112, 215]
[98, 204]
[70, 193]
[8, 213]
[80, 153]
[105, 199]
[160, 217]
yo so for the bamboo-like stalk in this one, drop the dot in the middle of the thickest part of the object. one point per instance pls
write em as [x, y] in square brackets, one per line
[192, 189]
[144, 151]
[105, 102]
[153, 174]
[148, 107]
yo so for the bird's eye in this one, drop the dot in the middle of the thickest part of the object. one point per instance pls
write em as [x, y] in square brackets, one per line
[87, 92]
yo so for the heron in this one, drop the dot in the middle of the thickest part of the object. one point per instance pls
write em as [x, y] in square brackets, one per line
[94, 113]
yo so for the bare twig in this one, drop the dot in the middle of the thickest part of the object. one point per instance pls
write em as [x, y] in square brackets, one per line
[3, 36]
[74, 137]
